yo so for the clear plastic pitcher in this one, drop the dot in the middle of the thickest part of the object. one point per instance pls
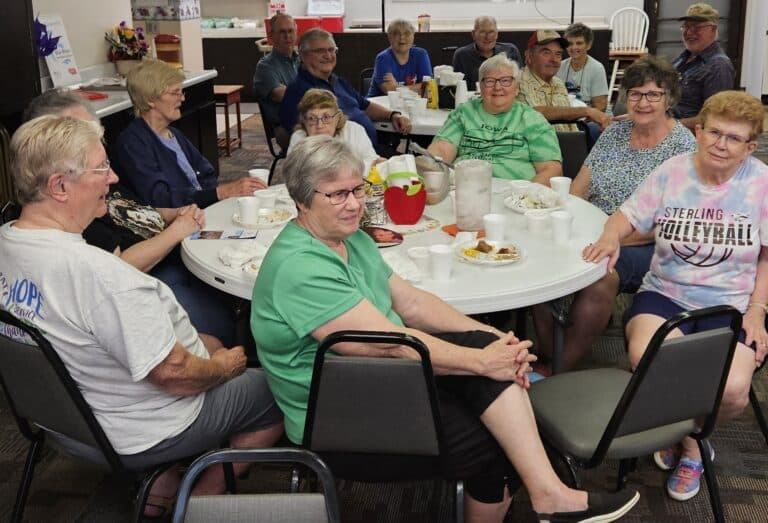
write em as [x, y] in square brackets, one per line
[473, 193]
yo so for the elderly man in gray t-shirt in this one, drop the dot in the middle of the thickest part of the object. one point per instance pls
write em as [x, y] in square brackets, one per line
[467, 59]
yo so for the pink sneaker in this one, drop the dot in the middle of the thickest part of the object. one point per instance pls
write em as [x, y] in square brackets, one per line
[685, 481]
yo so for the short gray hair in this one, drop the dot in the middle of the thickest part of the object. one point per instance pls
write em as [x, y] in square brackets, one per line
[497, 62]
[484, 19]
[47, 145]
[400, 25]
[55, 101]
[314, 34]
[314, 160]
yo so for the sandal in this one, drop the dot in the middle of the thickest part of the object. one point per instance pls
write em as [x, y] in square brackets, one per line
[159, 506]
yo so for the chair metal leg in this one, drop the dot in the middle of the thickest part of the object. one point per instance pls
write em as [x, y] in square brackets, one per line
[625, 467]
[459, 502]
[272, 169]
[26, 478]
[145, 486]
[758, 413]
[714, 491]
[229, 478]
[572, 466]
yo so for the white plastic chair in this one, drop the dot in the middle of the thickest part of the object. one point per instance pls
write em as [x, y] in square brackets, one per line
[629, 26]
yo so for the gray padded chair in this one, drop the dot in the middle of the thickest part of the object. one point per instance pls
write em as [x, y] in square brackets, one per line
[366, 77]
[46, 401]
[759, 416]
[376, 419]
[277, 142]
[591, 415]
[249, 508]
[573, 147]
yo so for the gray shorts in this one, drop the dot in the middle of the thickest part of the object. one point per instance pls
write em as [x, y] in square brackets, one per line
[243, 404]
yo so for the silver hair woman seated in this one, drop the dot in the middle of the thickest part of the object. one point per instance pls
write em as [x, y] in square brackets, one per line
[516, 139]
[323, 275]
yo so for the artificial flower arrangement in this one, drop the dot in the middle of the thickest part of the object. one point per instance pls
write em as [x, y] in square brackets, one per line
[126, 43]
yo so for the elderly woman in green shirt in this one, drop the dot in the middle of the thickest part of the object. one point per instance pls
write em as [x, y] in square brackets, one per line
[516, 139]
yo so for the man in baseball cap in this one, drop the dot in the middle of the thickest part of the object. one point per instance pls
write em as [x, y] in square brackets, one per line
[703, 66]
[545, 92]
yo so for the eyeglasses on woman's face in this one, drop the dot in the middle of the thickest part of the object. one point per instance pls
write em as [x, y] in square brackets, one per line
[732, 141]
[490, 82]
[102, 169]
[314, 121]
[634, 95]
[341, 196]
[175, 93]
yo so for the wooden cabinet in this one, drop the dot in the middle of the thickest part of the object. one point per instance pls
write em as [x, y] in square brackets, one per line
[19, 68]
[235, 58]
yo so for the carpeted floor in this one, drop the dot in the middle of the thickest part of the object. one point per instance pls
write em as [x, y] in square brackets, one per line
[66, 490]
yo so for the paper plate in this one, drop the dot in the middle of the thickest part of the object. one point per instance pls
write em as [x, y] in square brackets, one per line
[467, 251]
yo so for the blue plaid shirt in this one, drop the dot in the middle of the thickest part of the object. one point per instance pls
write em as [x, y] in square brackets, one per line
[709, 73]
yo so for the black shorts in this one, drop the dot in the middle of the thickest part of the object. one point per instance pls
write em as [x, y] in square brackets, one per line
[471, 452]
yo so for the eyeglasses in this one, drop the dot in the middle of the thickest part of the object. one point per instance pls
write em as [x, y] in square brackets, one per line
[651, 96]
[102, 169]
[696, 27]
[341, 196]
[505, 81]
[314, 121]
[731, 140]
[323, 50]
[176, 94]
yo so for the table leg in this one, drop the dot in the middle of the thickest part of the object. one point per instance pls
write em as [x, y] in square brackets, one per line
[559, 310]
[239, 127]
[226, 131]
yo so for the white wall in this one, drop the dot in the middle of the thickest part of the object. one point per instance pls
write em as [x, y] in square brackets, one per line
[86, 21]
[370, 10]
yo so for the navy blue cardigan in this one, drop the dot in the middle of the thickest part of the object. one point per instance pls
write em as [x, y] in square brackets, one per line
[150, 169]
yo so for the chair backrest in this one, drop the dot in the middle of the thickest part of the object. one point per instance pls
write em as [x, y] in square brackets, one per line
[246, 508]
[573, 147]
[366, 76]
[660, 394]
[373, 405]
[629, 26]
[43, 396]
[276, 149]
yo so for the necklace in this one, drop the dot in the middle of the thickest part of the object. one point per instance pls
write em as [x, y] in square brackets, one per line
[581, 76]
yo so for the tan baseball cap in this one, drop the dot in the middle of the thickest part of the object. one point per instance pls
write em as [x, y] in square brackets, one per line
[544, 36]
[701, 13]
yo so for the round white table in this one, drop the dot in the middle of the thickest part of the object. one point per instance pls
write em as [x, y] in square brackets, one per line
[431, 121]
[546, 273]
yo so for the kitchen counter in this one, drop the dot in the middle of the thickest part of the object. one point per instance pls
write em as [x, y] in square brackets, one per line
[256, 33]
[118, 100]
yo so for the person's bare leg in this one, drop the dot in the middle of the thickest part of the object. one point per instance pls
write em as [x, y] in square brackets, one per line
[212, 480]
[510, 419]
[735, 396]
[478, 512]
[589, 315]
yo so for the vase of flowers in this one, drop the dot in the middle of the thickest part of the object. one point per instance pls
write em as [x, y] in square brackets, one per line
[127, 46]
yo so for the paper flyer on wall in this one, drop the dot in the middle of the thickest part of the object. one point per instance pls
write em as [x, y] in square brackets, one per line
[61, 63]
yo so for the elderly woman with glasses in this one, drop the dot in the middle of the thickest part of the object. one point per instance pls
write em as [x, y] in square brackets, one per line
[708, 212]
[323, 275]
[516, 139]
[580, 72]
[155, 159]
[319, 113]
[400, 63]
[624, 156]
[160, 390]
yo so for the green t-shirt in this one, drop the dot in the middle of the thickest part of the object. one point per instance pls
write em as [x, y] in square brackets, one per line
[301, 286]
[511, 141]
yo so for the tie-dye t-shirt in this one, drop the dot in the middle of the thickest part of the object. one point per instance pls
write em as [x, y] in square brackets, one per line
[708, 237]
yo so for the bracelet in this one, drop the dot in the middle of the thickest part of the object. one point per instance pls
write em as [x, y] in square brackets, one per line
[756, 304]
[393, 113]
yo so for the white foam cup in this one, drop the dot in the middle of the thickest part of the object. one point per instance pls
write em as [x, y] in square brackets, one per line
[495, 227]
[420, 256]
[248, 209]
[441, 261]
[266, 199]
[562, 226]
[562, 186]
[537, 220]
[260, 173]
